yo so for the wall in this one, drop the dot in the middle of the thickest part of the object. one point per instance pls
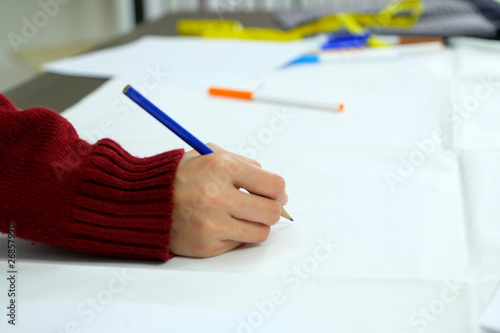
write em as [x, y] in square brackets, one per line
[42, 29]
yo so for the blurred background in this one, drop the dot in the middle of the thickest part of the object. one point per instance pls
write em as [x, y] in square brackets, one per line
[75, 26]
[80, 25]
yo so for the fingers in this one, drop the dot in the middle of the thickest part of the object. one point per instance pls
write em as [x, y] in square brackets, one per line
[249, 160]
[250, 207]
[248, 232]
[211, 215]
[283, 200]
[208, 237]
[261, 182]
[248, 174]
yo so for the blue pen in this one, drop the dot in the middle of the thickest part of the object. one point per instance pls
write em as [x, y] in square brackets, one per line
[346, 41]
[171, 124]
[335, 41]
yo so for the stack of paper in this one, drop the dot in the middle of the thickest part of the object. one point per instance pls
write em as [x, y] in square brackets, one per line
[191, 61]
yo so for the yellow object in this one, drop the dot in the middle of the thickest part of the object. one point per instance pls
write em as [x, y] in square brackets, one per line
[354, 27]
[403, 14]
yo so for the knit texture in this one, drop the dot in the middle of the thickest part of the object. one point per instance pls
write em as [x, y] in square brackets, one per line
[61, 190]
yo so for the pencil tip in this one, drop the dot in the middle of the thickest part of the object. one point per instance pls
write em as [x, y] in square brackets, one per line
[126, 88]
[285, 214]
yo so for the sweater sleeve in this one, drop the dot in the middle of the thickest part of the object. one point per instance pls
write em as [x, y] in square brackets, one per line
[58, 189]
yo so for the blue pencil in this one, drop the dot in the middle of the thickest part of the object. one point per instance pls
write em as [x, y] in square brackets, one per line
[172, 125]
[163, 118]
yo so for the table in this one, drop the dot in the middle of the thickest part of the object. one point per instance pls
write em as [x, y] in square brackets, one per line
[59, 92]
[420, 255]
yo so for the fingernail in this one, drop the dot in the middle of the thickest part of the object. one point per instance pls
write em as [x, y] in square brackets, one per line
[283, 200]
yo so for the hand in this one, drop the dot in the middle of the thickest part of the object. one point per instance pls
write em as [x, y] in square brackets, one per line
[211, 215]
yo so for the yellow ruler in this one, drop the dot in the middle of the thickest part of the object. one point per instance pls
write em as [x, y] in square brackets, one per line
[402, 14]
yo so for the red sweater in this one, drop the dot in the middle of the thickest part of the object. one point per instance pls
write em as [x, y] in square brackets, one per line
[60, 190]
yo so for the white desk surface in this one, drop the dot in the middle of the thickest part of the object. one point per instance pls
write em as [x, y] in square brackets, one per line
[420, 256]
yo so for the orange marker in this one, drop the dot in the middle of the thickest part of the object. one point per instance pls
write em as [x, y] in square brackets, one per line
[248, 95]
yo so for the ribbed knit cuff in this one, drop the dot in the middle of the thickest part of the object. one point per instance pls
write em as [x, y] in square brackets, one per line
[124, 205]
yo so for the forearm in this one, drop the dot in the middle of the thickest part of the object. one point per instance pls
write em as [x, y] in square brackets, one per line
[60, 190]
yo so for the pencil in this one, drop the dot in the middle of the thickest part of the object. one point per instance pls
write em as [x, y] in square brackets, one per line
[172, 125]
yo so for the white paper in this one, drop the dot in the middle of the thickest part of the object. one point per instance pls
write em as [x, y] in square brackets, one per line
[192, 61]
[129, 317]
[374, 117]
[373, 257]
[477, 58]
[159, 299]
[490, 319]
[482, 185]
[475, 124]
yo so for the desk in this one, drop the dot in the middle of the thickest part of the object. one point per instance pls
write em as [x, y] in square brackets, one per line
[422, 258]
[59, 92]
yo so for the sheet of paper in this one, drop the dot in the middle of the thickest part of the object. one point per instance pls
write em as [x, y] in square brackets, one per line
[477, 91]
[129, 317]
[490, 319]
[475, 57]
[66, 298]
[374, 118]
[367, 252]
[192, 61]
[482, 185]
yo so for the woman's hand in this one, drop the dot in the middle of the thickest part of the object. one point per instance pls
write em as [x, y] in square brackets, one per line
[211, 215]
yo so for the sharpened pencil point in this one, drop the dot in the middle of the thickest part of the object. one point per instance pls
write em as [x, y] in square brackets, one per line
[285, 214]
